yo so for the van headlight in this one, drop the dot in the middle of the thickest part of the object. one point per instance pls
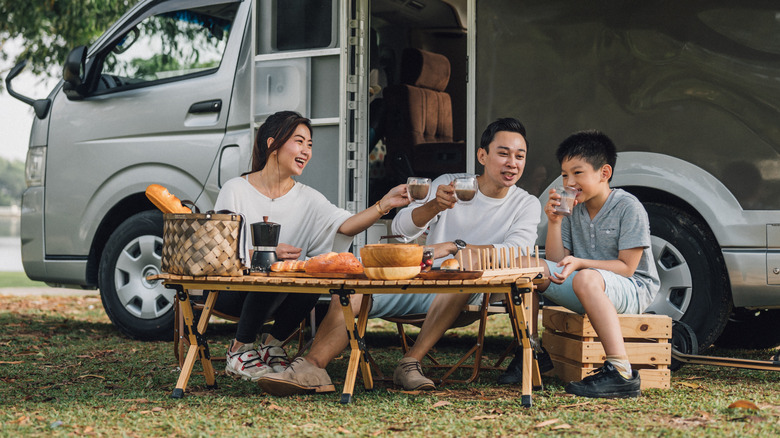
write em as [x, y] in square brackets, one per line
[35, 168]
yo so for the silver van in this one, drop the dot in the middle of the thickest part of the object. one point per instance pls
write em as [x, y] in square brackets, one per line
[172, 92]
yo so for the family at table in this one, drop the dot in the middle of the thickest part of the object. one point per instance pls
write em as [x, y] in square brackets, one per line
[598, 257]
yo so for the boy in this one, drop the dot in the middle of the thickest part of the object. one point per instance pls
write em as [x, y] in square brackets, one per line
[599, 260]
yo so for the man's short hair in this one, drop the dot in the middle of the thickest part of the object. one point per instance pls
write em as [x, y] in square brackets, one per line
[592, 146]
[506, 124]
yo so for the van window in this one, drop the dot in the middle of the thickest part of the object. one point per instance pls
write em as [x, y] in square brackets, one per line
[303, 24]
[169, 46]
[286, 25]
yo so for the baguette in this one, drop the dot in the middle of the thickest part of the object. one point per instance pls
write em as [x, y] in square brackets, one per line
[288, 266]
[334, 263]
[164, 200]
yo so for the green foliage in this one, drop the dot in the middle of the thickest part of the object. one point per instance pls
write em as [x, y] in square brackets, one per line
[11, 182]
[18, 280]
[51, 28]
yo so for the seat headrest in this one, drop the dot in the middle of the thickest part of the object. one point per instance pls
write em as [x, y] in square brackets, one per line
[425, 69]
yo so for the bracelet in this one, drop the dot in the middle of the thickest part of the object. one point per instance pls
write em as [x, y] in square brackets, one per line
[379, 209]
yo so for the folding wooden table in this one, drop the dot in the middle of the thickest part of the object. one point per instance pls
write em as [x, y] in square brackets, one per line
[518, 284]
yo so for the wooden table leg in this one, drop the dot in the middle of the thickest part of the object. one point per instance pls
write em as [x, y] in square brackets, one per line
[519, 310]
[198, 345]
[355, 332]
[365, 367]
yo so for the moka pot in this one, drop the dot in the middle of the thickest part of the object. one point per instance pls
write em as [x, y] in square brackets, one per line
[265, 238]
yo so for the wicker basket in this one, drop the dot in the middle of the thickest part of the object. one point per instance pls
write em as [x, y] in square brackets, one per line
[200, 244]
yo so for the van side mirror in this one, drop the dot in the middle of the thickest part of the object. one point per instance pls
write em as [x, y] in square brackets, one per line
[41, 106]
[73, 73]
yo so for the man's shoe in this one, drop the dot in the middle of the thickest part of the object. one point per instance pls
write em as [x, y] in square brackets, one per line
[275, 357]
[409, 374]
[245, 363]
[606, 382]
[514, 371]
[301, 377]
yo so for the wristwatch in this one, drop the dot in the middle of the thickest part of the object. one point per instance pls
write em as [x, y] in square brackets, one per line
[460, 244]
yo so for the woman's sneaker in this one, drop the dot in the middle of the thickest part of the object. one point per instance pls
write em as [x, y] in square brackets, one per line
[274, 356]
[245, 363]
[606, 382]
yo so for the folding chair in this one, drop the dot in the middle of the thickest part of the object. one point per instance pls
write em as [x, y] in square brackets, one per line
[471, 313]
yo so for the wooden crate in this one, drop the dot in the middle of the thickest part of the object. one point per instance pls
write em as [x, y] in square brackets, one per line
[576, 350]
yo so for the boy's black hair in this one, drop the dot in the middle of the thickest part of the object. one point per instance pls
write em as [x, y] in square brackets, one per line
[592, 146]
[506, 124]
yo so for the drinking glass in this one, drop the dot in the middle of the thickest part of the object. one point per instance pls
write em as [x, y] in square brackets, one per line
[567, 200]
[417, 188]
[466, 189]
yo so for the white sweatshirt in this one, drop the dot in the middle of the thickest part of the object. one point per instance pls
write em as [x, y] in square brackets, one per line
[505, 222]
[308, 220]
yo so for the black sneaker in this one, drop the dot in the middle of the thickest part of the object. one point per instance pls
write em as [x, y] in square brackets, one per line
[606, 382]
[514, 371]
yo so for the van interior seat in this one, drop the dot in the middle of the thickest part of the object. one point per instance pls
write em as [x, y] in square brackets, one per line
[419, 118]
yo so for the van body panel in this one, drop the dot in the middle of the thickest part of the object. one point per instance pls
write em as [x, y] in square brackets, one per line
[171, 133]
[748, 274]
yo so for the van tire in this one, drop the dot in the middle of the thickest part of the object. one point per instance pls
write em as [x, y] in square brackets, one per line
[695, 287]
[140, 309]
[753, 329]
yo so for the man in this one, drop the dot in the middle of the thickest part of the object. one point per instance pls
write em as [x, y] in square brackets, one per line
[500, 215]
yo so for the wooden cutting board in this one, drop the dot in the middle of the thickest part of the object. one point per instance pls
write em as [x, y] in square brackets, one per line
[438, 274]
[305, 275]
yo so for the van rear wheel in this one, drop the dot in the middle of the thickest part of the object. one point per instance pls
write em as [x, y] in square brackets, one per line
[695, 288]
[139, 308]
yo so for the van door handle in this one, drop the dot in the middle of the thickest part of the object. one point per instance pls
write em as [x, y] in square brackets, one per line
[208, 106]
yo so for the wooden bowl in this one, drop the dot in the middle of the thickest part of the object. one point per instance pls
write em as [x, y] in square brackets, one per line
[393, 273]
[391, 255]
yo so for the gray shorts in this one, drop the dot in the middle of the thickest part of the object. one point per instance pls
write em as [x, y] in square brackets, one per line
[621, 291]
[407, 304]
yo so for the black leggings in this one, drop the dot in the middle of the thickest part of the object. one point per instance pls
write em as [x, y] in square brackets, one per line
[255, 308]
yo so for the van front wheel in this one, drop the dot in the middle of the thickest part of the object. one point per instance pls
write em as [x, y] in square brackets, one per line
[139, 308]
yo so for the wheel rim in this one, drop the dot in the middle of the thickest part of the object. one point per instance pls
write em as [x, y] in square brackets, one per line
[142, 298]
[676, 281]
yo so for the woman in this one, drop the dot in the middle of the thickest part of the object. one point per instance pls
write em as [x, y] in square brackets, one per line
[310, 225]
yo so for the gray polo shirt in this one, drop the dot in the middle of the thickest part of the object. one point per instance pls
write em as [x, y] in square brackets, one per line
[621, 223]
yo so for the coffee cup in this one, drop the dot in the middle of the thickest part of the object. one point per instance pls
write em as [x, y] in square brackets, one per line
[418, 188]
[466, 189]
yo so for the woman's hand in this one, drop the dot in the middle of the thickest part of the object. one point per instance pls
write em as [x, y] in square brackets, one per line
[570, 264]
[396, 197]
[287, 252]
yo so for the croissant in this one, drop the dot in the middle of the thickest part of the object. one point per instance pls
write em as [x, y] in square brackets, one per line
[339, 263]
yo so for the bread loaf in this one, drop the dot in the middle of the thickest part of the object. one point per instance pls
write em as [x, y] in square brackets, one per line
[450, 265]
[337, 263]
[288, 266]
[164, 200]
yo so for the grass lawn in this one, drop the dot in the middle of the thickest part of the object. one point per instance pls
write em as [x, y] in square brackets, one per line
[18, 279]
[64, 370]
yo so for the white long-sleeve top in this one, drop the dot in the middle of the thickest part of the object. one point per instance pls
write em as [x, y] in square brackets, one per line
[308, 220]
[505, 222]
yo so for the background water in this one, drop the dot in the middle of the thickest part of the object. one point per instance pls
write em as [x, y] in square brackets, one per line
[10, 245]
